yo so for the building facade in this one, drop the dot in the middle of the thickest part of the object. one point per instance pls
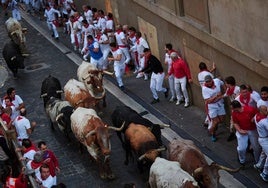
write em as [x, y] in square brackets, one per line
[232, 34]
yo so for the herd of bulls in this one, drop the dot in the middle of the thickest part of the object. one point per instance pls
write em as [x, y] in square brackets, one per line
[185, 165]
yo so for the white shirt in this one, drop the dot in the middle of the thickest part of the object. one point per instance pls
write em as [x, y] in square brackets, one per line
[21, 124]
[50, 14]
[141, 44]
[29, 154]
[115, 54]
[201, 76]
[235, 93]
[252, 101]
[119, 38]
[16, 102]
[110, 24]
[88, 15]
[49, 182]
[211, 92]
[104, 47]
[262, 127]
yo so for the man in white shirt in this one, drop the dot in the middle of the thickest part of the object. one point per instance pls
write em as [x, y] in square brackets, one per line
[51, 20]
[44, 178]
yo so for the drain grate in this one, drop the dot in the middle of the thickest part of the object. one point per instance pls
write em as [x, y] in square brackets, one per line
[34, 67]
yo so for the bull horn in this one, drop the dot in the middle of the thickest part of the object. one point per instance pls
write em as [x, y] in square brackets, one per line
[164, 125]
[109, 73]
[59, 116]
[197, 173]
[86, 77]
[220, 167]
[116, 128]
[59, 91]
[12, 58]
[90, 133]
[43, 95]
[103, 94]
[156, 150]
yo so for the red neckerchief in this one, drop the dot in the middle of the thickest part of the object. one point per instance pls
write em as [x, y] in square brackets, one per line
[35, 165]
[245, 100]
[230, 91]
[138, 41]
[212, 86]
[19, 118]
[109, 18]
[118, 31]
[98, 36]
[260, 116]
[32, 147]
[132, 35]
[115, 49]
[170, 51]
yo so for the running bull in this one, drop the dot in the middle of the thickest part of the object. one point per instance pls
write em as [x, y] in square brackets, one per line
[92, 132]
[143, 143]
[126, 114]
[92, 77]
[169, 174]
[78, 95]
[17, 35]
[193, 161]
[51, 87]
[13, 57]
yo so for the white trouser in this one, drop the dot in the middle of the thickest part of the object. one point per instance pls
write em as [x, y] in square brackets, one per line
[171, 83]
[105, 53]
[75, 39]
[263, 160]
[52, 27]
[156, 84]
[16, 14]
[126, 54]
[242, 144]
[98, 63]
[180, 85]
[119, 70]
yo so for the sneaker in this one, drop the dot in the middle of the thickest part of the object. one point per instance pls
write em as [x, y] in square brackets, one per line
[178, 102]
[145, 77]
[166, 93]
[155, 101]
[264, 177]
[213, 138]
[186, 105]
[257, 167]
[136, 71]
[122, 88]
[140, 75]
[172, 99]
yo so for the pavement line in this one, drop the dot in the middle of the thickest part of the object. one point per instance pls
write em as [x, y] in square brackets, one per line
[227, 179]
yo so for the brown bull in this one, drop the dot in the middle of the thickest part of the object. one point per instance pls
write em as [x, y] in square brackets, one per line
[90, 130]
[193, 161]
[77, 94]
[142, 142]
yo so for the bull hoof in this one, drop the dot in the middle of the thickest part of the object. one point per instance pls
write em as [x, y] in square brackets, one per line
[25, 55]
[111, 176]
[103, 176]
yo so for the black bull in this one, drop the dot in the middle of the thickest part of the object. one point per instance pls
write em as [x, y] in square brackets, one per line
[125, 114]
[51, 87]
[14, 59]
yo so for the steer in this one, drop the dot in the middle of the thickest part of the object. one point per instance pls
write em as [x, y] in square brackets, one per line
[17, 34]
[143, 143]
[126, 114]
[169, 174]
[59, 111]
[51, 87]
[13, 57]
[90, 130]
[92, 77]
[78, 95]
[193, 161]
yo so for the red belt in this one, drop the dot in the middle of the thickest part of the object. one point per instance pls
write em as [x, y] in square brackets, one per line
[122, 46]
